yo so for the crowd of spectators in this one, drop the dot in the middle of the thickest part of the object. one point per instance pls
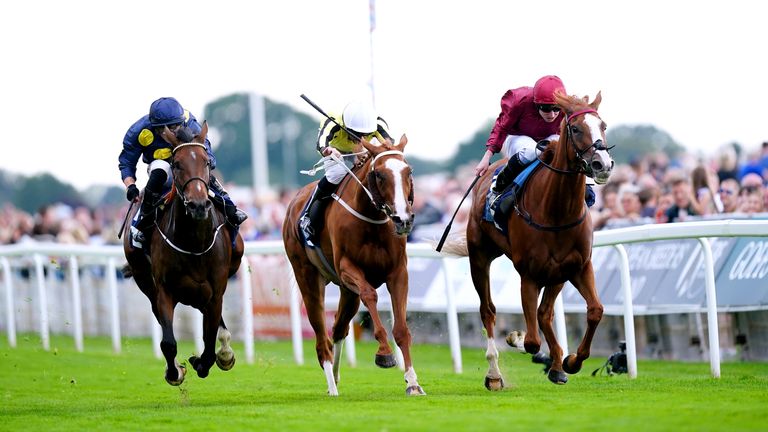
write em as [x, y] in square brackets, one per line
[650, 189]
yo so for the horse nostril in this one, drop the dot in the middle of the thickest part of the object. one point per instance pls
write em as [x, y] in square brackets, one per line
[597, 166]
[397, 220]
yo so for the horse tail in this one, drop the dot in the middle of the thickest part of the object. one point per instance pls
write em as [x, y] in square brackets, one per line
[455, 244]
[127, 272]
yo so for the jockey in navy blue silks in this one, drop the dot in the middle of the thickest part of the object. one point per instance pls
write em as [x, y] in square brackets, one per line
[144, 140]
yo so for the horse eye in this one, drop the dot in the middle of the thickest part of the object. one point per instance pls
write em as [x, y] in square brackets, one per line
[575, 129]
[176, 166]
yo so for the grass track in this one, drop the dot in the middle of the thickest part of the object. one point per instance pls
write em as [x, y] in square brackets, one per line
[62, 389]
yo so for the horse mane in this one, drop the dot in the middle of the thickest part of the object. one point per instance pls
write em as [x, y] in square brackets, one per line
[571, 103]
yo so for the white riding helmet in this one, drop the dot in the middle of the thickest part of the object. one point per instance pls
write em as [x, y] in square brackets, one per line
[360, 116]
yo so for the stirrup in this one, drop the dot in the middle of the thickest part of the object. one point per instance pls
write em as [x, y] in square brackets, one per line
[305, 225]
[237, 217]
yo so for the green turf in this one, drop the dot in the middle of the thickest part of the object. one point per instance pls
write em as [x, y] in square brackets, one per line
[62, 389]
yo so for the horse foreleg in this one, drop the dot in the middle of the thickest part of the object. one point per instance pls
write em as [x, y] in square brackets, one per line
[354, 279]
[585, 285]
[349, 303]
[397, 285]
[545, 316]
[225, 357]
[529, 296]
[480, 267]
[211, 323]
[163, 310]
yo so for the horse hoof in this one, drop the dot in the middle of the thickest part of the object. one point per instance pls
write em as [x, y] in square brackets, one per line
[557, 377]
[197, 365]
[515, 339]
[542, 358]
[415, 390]
[385, 361]
[494, 384]
[571, 359]
[181, 371]
[225, 364]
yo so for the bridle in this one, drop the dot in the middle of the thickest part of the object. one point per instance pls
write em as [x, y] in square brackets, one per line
[585, 167]
[180, 190]
[374, 195]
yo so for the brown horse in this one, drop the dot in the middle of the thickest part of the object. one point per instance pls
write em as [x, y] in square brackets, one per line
[191, 257]
[363, 244]
[549, 239]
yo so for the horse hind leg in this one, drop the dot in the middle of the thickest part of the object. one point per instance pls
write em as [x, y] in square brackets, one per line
[349, 303]
[225, 357]
[480, 267]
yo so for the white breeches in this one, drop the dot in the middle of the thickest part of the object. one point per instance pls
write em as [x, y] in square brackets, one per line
[523, 145]
[335, 171]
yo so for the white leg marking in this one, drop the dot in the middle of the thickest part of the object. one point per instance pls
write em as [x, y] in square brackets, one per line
[412, 387]
[492, 355]
[328, 369]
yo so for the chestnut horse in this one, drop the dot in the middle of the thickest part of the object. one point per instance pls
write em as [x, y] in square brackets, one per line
[361, 247]
[549, 238]
[191, 257]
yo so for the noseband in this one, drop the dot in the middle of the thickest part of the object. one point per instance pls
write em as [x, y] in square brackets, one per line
[181, 190]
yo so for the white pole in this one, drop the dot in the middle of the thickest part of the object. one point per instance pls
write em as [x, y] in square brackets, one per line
[560, 331]
[295, 308]
[77, 309]
[10, 318]
[629, 317]
[247, 303]
[259, 161]
[40, 275]
[157, 335]
[350, 342]
[197, 330]
[712, 327]
[452, 317]
[113, 304]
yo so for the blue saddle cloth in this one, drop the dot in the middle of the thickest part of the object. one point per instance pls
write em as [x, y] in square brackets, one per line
[493, 212]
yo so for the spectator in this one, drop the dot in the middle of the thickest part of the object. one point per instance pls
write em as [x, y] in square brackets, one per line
[705, 201]
[729, 195]
[610, 206]
[649, 198]
[682, 206]
[630, 201]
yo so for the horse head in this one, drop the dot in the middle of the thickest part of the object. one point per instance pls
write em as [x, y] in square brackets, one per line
[390, 181]
[584, 133]
[191, 169]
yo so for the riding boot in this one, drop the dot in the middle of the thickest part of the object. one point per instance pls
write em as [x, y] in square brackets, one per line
[506, 176]
[221, 199]
[312, 220]
[147, 214]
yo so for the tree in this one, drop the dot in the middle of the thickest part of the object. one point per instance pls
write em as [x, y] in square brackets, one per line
[639, 140]
[44, 189]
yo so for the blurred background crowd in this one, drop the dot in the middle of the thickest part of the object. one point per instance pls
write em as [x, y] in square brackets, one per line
[649, 189]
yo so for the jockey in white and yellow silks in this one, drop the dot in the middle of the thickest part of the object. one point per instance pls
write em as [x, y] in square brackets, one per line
[144, 141]
[361, 119]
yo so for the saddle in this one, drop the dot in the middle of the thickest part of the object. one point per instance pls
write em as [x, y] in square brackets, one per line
[499, 211]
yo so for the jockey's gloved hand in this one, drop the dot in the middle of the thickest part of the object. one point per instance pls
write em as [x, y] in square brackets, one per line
[132, 192]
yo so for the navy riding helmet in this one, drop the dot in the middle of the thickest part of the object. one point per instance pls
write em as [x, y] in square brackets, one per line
[165, 111]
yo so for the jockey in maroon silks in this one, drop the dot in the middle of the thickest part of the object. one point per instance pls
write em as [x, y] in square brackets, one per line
[528, 116]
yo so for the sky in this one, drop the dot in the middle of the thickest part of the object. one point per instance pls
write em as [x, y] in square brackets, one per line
[76, 74]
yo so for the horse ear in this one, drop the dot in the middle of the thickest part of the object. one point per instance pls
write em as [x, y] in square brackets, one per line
[170, 137]
[204, 131]
[373, 148]
[403, 141]
[596, 103]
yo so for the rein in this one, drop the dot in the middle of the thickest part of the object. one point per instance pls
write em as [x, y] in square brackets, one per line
[598, 145]
[380, 207]
[184, 201]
